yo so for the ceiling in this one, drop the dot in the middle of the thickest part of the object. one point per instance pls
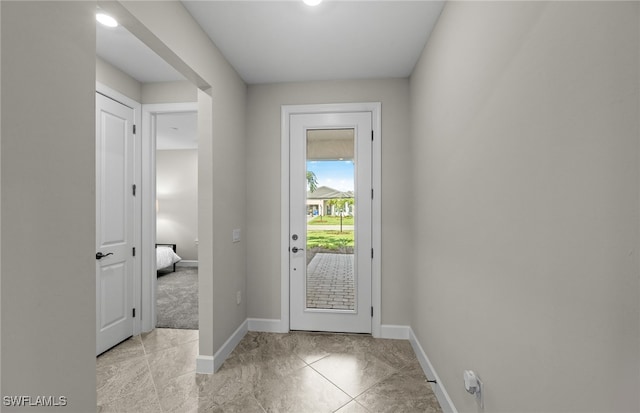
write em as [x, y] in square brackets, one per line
[272, 41]
[285, 41]
[124, 51]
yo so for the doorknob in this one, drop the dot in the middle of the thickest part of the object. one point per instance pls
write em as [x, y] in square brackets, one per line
[296, 249]
[100, 255]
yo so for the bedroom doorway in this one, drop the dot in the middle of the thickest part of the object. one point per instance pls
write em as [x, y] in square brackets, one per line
[177, 220]
[170, 128]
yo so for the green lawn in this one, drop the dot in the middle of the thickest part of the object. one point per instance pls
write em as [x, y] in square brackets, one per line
[332, 240]
[331, 220]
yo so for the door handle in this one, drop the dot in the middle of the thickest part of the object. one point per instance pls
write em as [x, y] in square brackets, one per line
[296, 249]
[100, 255]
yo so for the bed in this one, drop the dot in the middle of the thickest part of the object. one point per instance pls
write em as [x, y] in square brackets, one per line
[166, 256]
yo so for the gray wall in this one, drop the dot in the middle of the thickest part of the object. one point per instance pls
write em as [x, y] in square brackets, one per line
[526, 178]
[169, 92]
[157, 92]
[263, 187]
[48, 202]
[116, 79]
[177, 194]
[1, 204]
[221, 121]
[48, 191]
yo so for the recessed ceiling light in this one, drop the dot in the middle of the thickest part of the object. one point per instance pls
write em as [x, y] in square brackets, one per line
[312, 3]
[106, 20]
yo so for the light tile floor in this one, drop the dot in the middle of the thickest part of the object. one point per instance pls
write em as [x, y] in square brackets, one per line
[295, 372]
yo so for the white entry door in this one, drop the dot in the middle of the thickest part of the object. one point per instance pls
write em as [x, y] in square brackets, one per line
[114, 222]
[330, 222]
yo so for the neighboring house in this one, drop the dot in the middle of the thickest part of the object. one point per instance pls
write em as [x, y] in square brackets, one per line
[318, 201]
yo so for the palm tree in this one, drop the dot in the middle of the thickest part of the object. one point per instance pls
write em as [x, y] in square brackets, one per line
[312, 181]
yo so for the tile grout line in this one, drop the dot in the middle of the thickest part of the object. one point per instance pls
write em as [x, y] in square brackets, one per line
[353, 398]
[259, 404]
[344, 405]
[400, 366]
[155, 388]
[336, 386]
[120, 397]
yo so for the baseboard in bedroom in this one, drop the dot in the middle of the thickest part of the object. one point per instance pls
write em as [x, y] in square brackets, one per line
[441, 393]
[187, 263]
[265, 325]
[394, 331]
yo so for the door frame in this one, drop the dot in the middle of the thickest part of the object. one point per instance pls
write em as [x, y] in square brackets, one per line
[376, 177]
[144, 281]
[148, 210]
[137, 204]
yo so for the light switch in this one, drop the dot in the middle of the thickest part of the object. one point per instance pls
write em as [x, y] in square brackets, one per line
[236, 235]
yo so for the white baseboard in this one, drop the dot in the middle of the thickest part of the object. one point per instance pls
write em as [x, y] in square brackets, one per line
[438, 388]
[396, 332]
[209, 364]
[204, 364]
[187, 263]
[265, 325]
[228, 346]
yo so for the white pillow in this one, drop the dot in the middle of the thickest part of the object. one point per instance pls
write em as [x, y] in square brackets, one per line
[165, 257]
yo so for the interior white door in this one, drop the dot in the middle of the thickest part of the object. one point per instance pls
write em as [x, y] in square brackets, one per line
[114, 222]
[330, 222]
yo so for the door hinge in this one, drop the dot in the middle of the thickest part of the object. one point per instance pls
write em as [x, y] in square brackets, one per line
[371, 193]
[372, 311]
[134, 313]
[134, 189]
[371, 135]
[134, 251]
[371, 253]
[134, 129]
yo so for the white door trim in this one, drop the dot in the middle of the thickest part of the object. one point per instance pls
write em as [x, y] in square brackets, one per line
[148, 210]
[119, 97]
[376, 284]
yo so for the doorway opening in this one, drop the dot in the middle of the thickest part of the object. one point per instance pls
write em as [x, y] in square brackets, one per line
[169, 230]
[127, 79]
[331, 225]
[176, 220]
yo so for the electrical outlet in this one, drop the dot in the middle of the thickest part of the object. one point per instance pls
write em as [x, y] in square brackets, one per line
[473, 385]
[238, 297]
[235, 235]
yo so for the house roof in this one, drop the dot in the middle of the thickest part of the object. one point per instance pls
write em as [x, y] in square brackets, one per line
[324, 192]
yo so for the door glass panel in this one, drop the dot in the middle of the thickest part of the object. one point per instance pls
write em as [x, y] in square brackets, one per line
[330, 204]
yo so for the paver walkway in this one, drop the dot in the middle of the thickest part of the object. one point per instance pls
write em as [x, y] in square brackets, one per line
[330, 282]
